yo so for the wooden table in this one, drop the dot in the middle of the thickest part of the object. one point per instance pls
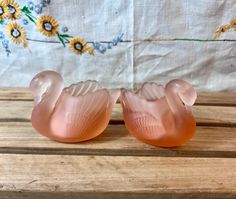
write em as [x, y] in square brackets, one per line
[116, 165]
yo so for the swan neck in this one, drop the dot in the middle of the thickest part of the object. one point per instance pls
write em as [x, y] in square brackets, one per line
[174, 100]
[54, 94]
[43, 111]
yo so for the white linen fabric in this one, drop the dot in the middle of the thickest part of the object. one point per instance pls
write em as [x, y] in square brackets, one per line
[163, 40]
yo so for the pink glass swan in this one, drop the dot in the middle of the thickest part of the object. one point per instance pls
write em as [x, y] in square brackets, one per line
[77, 113]
[158, 115]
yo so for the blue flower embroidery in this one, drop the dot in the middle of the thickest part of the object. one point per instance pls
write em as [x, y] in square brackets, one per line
[25, 21]
[2, 36]
[6, 46]
[31, 5]
[38, 9]
[49, 25]
[64, 29]
[102, 48]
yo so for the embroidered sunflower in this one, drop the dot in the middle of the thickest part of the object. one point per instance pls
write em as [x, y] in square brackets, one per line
[47, 25]
[225, 28]
[221, 30]
[233, 24]
[14, 11]
[79, 46]
[17, 34]
[3, 10]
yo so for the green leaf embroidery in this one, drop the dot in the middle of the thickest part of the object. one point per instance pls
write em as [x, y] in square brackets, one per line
[28, 14]
[25, 10]
[30, 18]
[61, 39]
[65, 35]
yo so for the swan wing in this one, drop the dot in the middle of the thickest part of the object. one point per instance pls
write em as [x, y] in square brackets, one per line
[151, 91]
[81, 112]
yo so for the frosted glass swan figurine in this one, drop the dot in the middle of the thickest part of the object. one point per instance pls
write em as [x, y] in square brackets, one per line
[159, 115]
[73, 114]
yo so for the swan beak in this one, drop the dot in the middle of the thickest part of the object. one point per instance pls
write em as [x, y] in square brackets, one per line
[189, 97]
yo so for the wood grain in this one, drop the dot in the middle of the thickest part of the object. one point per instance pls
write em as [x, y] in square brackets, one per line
[120, 174]
[20, 111]
[115, 164]
[216, 98]
[114, 195]
[215, 115]
[22, 94]
[20, 138]
[204, 98]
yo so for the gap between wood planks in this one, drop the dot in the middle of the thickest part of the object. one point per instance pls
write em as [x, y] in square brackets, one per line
[20, 138]
[107, 174]
[217, 110]
[204, 98]
[115, 195]
[20, 111]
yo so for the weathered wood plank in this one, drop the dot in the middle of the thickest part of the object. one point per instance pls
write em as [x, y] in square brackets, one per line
[20, 138]
[204, 98]
[15, 94]
[215, 115]
[216, 98]
[205, 115]
[113, 195]
[120, 174]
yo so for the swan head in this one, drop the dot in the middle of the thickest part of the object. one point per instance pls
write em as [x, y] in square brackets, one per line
[185, 91]
[41, 84]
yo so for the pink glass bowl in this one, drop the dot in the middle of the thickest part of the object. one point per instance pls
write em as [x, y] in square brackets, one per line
[158, 115]
[74, 114]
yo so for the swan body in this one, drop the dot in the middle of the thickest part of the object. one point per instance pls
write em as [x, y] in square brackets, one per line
[73, 114]
[158, 115]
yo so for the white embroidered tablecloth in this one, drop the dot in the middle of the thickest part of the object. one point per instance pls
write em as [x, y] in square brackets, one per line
[163, 39]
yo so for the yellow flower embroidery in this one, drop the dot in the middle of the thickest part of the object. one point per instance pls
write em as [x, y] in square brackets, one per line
[17, 34]
[79, 46]
[14, 11]
[225, 28]
[47, 25]
[222, 29]
[233, 22]
[90, 50]
[3, 10]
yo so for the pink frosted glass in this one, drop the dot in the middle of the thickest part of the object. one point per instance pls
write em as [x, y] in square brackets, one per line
[158, 115]
[74, 114]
